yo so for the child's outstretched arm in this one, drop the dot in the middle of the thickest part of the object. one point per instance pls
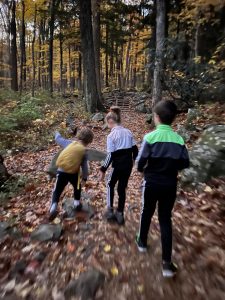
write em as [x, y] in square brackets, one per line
[143, 156]
[61, 141]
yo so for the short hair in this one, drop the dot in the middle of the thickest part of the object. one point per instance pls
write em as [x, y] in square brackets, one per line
[85, 135]
[111, 116]
[116, 110]
[166, 110]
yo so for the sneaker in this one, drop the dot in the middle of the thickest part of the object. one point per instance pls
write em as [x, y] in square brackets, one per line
[169, 269]
[109, 215]
[119, 218]
[53, 211]
[141, 246]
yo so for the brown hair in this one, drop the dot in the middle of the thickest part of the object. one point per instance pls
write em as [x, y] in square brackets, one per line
[116, 110]
[166, 110]
[111, 116]
[85, 135]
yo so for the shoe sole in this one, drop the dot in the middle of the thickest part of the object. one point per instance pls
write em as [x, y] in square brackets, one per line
[168, 274]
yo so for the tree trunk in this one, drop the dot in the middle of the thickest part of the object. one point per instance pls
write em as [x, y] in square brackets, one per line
[96, 41]
[13, 48]
[23, 49]
[69, 67]
[87, 48]
[134, 81]
[106, 55]
[39, 62]
[33, 50]
[160, 41]
[79, 83]
[61, 60]
[53, 6]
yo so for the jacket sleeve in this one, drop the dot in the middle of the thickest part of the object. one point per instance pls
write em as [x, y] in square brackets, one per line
[109, 157]
[184, 161]
[84, 166]
[61, 141]
[143, 156]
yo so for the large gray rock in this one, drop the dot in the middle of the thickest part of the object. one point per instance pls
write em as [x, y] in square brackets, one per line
[98, 117]
[47, 232]
[207, 157]
[86, 286]
[141, 108]
[149, 118]
[181, 130]
[4, 227]
[192, 115]
[70, 212]
[96, 155]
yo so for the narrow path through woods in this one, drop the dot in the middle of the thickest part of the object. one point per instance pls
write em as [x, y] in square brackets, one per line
[199, 237]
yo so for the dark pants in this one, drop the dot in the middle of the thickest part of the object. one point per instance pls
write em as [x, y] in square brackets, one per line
[165, 196]
[62, 179]
[122, 177]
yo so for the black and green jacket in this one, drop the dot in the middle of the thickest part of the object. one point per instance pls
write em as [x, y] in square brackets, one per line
[162, 155]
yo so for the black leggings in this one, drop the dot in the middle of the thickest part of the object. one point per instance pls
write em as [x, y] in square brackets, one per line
[122, 177]
[62, 179]
[165, 196]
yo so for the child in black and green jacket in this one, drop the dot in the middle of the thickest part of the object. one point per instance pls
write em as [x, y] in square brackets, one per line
[162, 155]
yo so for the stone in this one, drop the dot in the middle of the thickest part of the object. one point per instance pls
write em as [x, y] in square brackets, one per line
[207, 157]
[86, 286]
[4, 227]
[98, 117]
[181, 130]
[192, 115]
[47, 232]
[141, 108]
[148, 118]
[96, 155]
[70, 212]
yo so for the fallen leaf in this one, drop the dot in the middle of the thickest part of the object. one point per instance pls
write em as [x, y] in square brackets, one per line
[114, 271]
[70, 247]
[107, 248]
[57, 221]
[140, 288]
[9, 287]
[208, 189]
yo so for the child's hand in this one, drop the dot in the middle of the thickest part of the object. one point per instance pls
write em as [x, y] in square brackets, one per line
[101, 175]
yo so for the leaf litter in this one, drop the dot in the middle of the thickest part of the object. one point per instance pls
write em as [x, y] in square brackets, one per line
[199, 238]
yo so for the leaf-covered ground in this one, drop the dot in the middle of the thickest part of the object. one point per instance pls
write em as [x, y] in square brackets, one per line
[199, 237]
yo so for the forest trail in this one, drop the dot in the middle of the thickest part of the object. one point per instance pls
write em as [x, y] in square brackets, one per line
[199, 238]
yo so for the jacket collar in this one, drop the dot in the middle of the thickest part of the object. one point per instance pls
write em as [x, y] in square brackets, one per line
[164, 127]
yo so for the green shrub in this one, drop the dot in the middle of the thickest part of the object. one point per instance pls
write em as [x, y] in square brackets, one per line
[7, 95]
[7, 123]
[25, 113]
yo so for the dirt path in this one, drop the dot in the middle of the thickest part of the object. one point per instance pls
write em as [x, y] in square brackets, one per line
[199, 238]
